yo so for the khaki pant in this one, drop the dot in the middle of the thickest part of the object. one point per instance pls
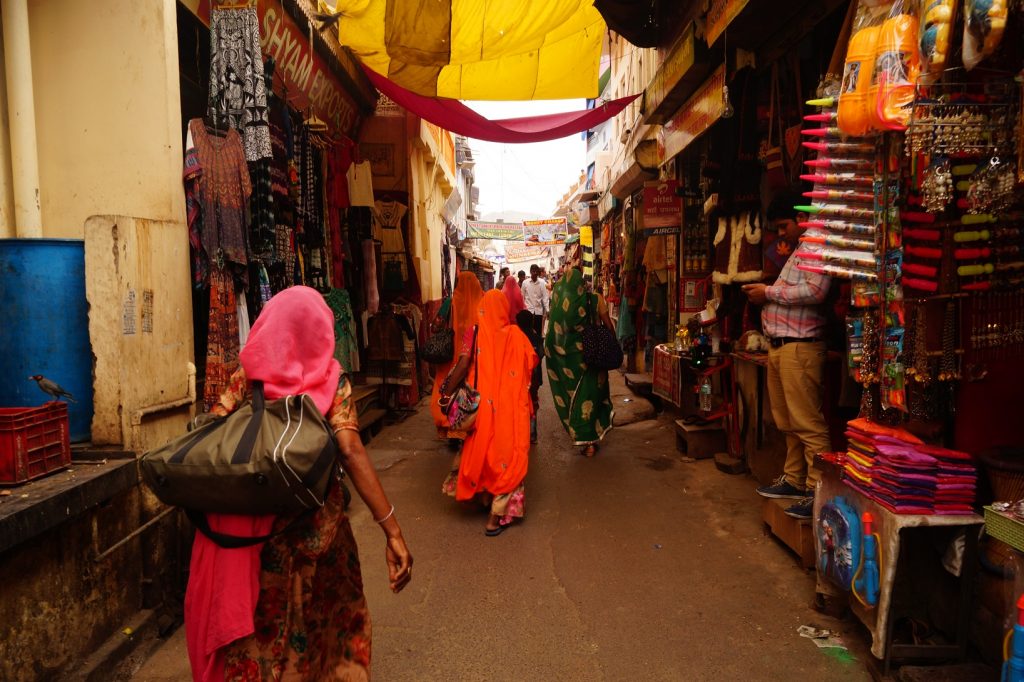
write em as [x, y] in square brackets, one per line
[795, 373]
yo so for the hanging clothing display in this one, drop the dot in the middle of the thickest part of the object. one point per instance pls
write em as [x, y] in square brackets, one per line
[738, 249]
[192, 177]
[346, 344]
[360, 184]
[370, 277]
[222, 344]
[242, 311]
[391, 349]
[387, 229]
[238, 96]
[223, 192]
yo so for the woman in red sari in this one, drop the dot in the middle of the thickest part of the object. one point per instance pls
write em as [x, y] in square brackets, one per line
[514, 294]
[293, 607]
[495, 455]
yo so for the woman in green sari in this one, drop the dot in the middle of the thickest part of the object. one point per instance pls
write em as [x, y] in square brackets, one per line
[581, 394]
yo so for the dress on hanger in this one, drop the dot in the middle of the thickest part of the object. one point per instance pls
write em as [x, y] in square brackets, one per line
[238, 95]
[387, 229]
[359, 178]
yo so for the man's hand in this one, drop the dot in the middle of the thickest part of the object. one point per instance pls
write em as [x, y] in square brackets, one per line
[756, 293]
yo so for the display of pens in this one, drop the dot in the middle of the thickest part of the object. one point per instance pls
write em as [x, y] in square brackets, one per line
[837, 211]
[840, 195]
[840, 226]
[836, 147]
[846, 178]
[842, 164]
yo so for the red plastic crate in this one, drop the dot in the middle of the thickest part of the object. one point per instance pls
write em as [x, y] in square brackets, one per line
[33, 442]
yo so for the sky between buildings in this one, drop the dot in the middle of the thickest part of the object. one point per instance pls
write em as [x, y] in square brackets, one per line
[526, 178]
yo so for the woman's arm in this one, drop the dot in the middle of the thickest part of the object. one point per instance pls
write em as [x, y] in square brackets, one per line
[360, 470]
[602, 311]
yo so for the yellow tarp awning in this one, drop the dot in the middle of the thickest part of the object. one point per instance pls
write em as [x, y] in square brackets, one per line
[479, 50]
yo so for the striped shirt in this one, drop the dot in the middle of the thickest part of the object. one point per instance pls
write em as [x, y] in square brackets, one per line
[794, 303]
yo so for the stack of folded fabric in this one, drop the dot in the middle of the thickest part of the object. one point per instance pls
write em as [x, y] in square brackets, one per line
[897, 470]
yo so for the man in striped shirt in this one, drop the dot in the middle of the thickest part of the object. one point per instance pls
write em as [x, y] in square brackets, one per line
[794, 322]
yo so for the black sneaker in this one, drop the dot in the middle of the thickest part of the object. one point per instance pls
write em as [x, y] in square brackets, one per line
[781, 489]
[803, 509]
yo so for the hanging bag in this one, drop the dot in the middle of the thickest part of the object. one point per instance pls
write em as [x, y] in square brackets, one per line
[601, 350]
[266, 457]
[462, 406]
[439, 348]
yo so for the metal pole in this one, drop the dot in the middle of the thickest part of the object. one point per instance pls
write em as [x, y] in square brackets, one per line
[102, 555]
[22, 112]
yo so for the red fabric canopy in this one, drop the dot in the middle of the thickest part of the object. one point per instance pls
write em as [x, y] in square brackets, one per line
[453, 115]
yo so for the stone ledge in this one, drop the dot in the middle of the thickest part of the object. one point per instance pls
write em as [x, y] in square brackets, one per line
[36, 507]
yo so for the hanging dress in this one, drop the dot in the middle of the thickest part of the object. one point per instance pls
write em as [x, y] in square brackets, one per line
[387, 229]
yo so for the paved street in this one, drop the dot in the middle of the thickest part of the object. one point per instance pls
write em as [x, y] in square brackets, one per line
[632, 566]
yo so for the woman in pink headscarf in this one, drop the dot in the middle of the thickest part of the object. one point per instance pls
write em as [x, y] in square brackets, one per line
[514, 295]
[292, 607]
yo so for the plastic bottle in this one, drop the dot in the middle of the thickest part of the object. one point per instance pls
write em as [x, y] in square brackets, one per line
[868, 581]
[854, 105]
[1013, 668]
[705, 394]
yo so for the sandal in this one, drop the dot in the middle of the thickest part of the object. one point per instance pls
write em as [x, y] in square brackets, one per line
[494, 532]
[589, 451]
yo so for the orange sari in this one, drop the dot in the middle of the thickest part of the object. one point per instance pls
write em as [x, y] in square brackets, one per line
[465, 306]
[495, 454]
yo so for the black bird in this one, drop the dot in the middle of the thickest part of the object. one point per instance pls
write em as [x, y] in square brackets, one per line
[51, 388]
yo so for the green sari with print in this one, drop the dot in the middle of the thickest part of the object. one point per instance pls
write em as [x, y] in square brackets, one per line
[581, 394]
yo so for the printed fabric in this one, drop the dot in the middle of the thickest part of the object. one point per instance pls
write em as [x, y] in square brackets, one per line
[223, 192]
[238, 95]
[346, 348]
[581, 395]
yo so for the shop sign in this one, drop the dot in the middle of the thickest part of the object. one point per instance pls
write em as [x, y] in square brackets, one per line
[720, 15]
[546, 231]
[695, 116]
[520, 253]
[675, 66]
[509, 232]
[388, 108]
[662, 208]
[606, 205]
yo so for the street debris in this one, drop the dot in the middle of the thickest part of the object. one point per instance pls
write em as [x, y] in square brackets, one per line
[823, 639]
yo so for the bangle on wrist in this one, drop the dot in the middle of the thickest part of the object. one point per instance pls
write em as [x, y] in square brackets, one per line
[386, 516]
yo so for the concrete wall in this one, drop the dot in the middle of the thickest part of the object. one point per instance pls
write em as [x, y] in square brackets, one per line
[58, 604]
[107, 105]
[107, 111]
[432, 180]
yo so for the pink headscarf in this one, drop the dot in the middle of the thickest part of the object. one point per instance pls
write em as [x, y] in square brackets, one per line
[514, 295]
[291, 350]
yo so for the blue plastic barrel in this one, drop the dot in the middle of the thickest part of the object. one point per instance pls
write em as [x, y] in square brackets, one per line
[44, 326]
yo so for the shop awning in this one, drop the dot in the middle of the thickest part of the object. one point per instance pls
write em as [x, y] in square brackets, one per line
[478, 50]
[456, 117]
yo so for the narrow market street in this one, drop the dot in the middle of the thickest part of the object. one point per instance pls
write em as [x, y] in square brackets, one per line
[634, 565]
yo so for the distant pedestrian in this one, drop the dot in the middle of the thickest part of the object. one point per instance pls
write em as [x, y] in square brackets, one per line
[536, 297]
[492, 465]
[293, 607]
[514, 294]
[522, 277]
[525, 322]
[503, 274]
[581, 394]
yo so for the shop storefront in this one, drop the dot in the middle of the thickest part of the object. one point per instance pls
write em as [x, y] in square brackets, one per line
[902, 179]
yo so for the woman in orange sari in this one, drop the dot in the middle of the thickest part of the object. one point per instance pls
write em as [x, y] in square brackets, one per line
[464, 309]
[494, 457]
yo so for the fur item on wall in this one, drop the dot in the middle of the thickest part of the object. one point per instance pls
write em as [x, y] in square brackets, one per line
[738, 249]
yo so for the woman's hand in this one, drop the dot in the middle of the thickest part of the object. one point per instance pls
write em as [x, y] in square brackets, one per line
[399, 563]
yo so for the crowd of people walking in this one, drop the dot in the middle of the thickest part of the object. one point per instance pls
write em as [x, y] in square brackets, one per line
[291, 604]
